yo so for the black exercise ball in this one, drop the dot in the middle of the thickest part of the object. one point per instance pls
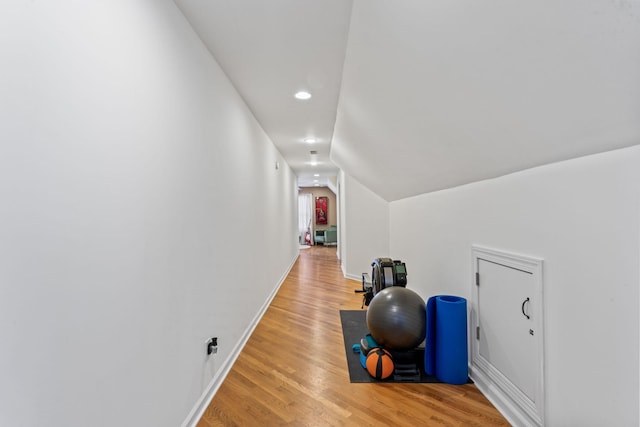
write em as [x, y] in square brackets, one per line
[396, 318]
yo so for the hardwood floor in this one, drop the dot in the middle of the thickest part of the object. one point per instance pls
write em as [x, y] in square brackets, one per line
[293, 370]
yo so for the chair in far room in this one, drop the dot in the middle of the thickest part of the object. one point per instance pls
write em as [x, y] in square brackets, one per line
[326, 237]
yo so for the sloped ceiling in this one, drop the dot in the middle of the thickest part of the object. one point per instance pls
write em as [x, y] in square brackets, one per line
[418, 96]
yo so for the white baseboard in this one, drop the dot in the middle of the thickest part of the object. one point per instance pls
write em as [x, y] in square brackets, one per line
[514, 415]
[218, 378]
[353, 277]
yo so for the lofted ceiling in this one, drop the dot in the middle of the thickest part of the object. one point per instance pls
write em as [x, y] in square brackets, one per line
[413, 96]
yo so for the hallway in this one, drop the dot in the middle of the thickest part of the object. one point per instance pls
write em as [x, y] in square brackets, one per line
[293, 370]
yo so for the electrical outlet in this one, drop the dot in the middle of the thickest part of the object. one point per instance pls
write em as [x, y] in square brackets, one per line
[212, 346]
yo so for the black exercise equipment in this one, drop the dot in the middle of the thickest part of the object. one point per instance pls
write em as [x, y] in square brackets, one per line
[385, 272]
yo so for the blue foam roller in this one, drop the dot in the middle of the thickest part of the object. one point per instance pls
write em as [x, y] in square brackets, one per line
[430, 340]
[451, 355]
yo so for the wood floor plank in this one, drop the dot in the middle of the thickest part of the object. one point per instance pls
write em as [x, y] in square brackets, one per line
[293, 370]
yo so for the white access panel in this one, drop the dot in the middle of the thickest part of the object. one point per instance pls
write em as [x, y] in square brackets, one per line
[507, 348]
[504, 299]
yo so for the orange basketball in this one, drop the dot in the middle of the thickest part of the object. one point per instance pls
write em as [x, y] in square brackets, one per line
[379, 363]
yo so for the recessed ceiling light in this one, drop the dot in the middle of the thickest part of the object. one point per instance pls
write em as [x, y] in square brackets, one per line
[316, 174]
[302, 95]
[316, 185]
[315, 180]
[310, 140]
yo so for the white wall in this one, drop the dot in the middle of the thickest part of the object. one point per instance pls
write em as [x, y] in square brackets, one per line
[365, 225]
[137, 195]
[583, 218]
[342, 221]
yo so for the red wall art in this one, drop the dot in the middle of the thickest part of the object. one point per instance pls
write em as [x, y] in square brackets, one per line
[321, 210]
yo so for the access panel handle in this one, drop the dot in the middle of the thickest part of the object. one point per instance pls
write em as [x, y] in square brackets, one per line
[523, 303]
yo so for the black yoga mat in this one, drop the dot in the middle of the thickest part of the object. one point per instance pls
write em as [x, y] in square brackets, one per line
[354, 328]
